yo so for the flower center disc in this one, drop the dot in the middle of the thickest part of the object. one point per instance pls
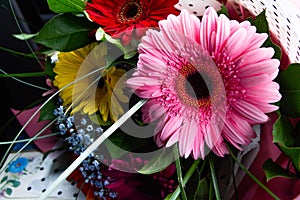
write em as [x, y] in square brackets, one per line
[193, 87]
[130, 11]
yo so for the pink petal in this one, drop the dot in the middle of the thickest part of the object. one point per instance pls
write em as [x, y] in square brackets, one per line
[235, 44]
[208, 26]
[190, 25]
[172, 125]
[174, 138]
[250, 112]
[222, 32]
[254, 80]
[186, 138]
[139, 82]
[220, 148]
[198, 146]
[267, 92]
[270, 67]
[263, 106]
[212, 135]
[255, 56]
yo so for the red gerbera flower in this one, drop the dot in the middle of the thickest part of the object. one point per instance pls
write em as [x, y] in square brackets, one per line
[127, 19]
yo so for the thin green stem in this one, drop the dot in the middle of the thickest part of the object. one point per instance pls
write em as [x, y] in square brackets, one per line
[179, 174]
[17, 53]
[258, 182]
[23, 75]
[38, 110]
[29, 139]
[187, 177]
[24, 146]
[21, 31]
[210, 191]
[233, 179]
[214, 177]
[26, 83]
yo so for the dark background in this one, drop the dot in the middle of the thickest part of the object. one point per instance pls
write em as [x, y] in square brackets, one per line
[31, 15]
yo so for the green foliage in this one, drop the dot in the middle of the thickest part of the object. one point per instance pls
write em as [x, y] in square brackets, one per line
[159, 162]
[124, 142]
[49, 69]
[47, 111]
[294, 154]
[283, 131]
[127, 50]
[223, 11]
[65, 32]
[66, 6]
[290, 90]
[24, 36]
[284, 134]
[97, 119]
[273, 170]
[262, 26]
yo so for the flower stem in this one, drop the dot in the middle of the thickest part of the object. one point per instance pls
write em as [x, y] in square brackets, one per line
[179, 174]
[258, 182]
[214, 177]
[187, 178]
[19, 75]
[17, 53]
[26, 140]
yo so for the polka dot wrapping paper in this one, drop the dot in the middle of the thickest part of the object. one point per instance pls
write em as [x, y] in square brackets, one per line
[29, 175]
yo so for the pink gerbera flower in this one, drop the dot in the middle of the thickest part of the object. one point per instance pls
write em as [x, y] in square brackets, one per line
[206, 82]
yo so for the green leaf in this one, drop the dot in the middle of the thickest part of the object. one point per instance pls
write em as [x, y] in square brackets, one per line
[297, 135]
[102, 36]
[197, 187]
[8, 191]
[14, 183]
[223, 11]
[125, 142]
[66, 6]
[65, 32]
[47, 111]
[290, 90]
[49, 69]
[97, 119]
[188, 175]
[159, 162]
[273, 170]
[3, 179]
[294, 154]
[262, 26]
[169, 197]
[24, 36]
[283, 131]
[202, 189]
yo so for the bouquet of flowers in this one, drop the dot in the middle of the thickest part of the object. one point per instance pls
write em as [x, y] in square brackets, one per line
[160, 99]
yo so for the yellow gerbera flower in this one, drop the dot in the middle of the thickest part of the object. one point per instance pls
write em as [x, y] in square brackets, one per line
[90, 94]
